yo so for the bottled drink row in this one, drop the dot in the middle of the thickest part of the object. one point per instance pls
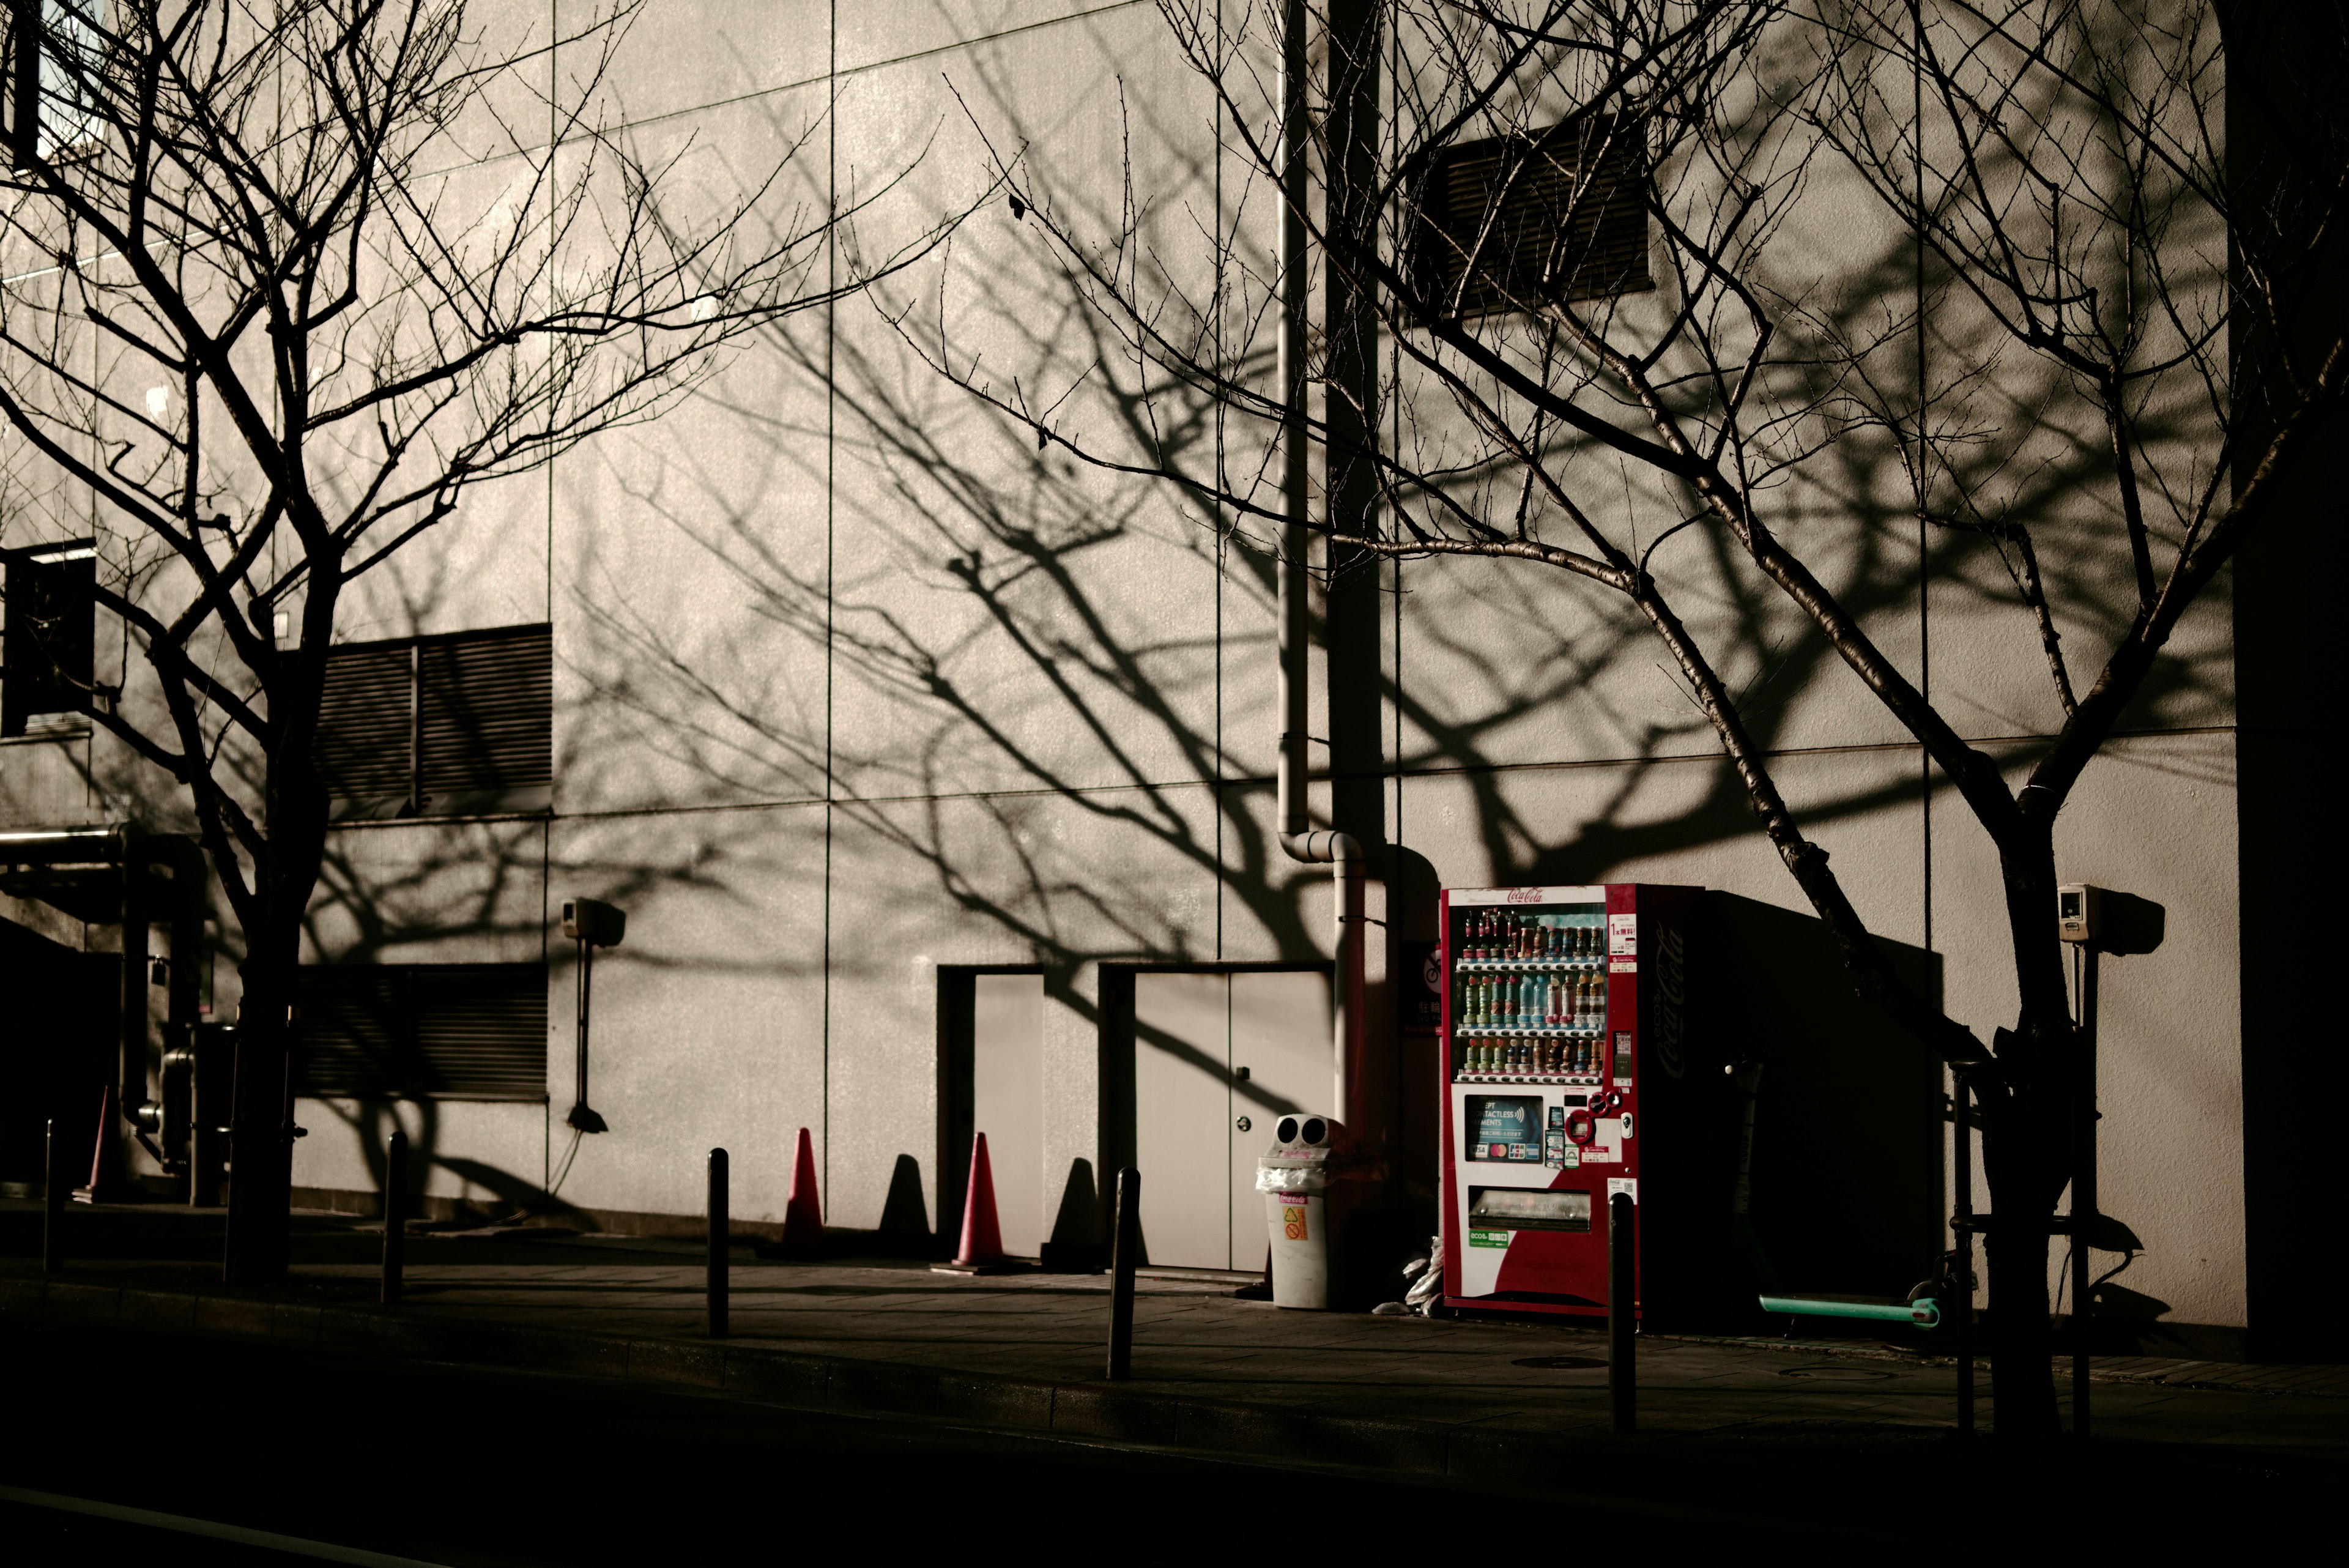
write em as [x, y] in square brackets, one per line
[1530, 1059]
[1530, 1002]
[1502, 936]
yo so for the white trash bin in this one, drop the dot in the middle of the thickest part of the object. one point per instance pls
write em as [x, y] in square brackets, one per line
[1294, 1175]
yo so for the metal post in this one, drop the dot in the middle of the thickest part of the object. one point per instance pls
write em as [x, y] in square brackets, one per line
[717, 1239]
[2084, 1194]
[1124, 1246]
[586, 991]
[1622, 1309]
[1960, 1311]
[395, 1216]
[53, 1204]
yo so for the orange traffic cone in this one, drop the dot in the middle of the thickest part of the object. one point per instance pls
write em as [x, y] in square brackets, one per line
[96, 1190]
[803, 1210]
[982, 1236]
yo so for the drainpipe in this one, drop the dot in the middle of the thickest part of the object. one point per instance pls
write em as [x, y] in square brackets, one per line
[1325, 847]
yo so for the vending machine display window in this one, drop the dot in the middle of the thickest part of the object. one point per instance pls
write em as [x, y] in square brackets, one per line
[1528, 993]
[1505, 1127]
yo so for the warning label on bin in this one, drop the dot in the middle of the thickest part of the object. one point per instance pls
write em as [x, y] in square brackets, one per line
[1292, 1221]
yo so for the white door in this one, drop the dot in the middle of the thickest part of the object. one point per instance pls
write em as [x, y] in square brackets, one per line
[1182, 1136]
[1283, 1060]
[1193, 1033]
[1007, 1101]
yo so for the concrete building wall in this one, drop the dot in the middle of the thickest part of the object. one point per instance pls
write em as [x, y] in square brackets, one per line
[853, 683]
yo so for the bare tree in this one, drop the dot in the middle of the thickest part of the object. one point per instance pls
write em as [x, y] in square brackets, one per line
[378, 253]
[1980, 278]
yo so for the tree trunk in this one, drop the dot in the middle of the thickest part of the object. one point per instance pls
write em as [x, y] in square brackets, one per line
[285, 874]
[2026, 1146]
[260, 1143]
[2025, 1167]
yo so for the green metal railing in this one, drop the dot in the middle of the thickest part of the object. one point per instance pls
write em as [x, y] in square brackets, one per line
[1924, 1311]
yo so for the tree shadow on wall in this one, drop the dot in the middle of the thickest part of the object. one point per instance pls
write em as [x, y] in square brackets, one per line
[1038, 693]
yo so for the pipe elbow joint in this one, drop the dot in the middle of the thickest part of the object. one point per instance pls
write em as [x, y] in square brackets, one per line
[1325, 846]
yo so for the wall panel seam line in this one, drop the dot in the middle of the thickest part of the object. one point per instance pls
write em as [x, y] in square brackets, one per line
[1263, 781]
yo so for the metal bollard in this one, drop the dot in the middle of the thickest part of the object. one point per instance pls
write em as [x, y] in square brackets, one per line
[1957, 1311]
[717, 1239]
[1125, 1246]
[52, 1205]
[394, 1215]
[1623, 1308]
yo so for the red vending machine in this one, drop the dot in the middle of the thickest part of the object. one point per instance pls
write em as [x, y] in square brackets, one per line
[1572, 1074]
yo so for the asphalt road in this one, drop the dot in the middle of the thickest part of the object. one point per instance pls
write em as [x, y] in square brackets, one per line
[120, 1448]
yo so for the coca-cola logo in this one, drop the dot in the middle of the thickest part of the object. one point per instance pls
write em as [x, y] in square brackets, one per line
[1671, 1000]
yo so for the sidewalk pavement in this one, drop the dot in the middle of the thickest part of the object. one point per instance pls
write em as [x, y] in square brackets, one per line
[1211, 1372]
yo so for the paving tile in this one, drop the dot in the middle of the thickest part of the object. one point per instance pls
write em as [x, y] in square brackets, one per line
[796, 1381]
[1242, 1428]
[995, 1401]
[1108, 1410]
[156, 1309]
[1383, 1444]
[880, 1387]
[232, 1315]
[701, 1365]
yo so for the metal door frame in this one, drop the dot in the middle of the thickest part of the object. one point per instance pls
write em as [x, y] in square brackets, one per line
[1118, 1046]
[956, 1053]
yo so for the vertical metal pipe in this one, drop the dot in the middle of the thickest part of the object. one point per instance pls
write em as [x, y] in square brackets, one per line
[1623, 1311]
[53, 1204]
[25, 131]
[1351, 1084]
[2083, 1195]
[1291, 587]
[1124, 1247]
[395, 1216]
[1960, 1313]
[209, 1112]
[719, 1224]
[1290, 372]
[1325, 847]
[587, 986]
[131, 1078]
